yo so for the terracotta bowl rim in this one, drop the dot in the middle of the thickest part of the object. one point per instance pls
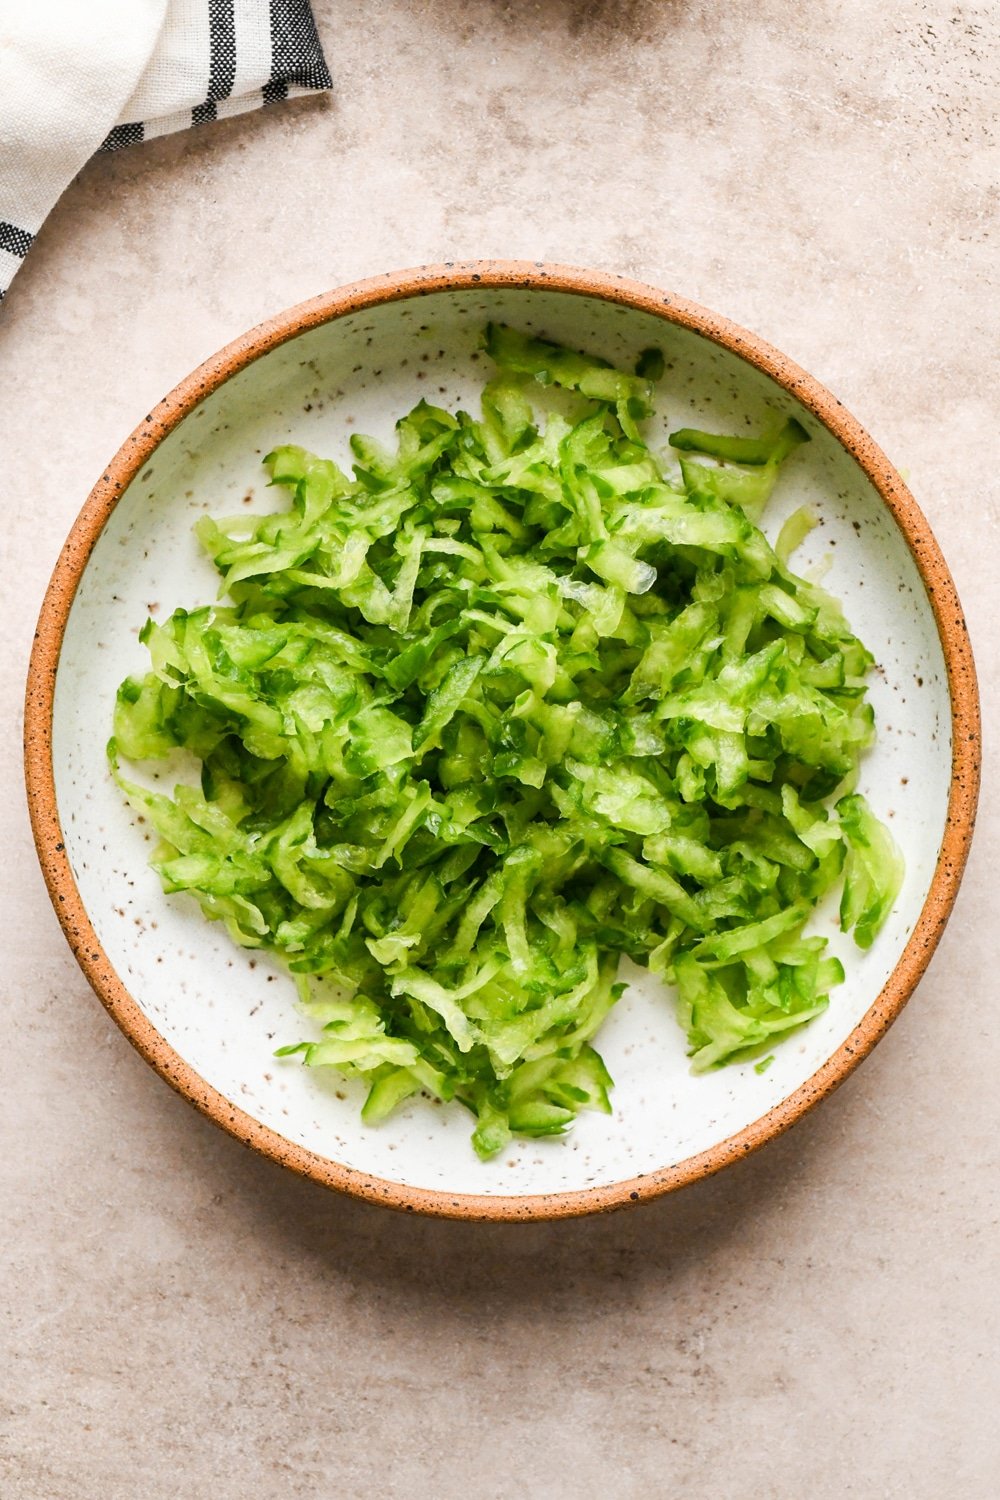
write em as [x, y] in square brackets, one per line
[469, 276]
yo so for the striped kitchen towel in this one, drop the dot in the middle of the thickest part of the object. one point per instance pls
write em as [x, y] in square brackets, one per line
[78, 76]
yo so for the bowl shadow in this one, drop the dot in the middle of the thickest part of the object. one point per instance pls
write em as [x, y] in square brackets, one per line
[460, 1272]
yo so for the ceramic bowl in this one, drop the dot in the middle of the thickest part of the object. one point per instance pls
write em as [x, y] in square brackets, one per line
[209, 1016]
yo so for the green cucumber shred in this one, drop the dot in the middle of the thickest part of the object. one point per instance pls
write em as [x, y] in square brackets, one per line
[517, 698]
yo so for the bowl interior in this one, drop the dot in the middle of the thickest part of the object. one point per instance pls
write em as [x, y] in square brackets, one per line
[224, 1010]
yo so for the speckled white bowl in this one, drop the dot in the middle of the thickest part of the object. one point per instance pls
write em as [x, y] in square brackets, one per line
[207, 1015]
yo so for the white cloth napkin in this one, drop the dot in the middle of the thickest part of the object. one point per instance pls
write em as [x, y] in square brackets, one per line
[78, 76]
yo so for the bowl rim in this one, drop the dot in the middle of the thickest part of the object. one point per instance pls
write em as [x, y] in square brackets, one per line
[470, 276]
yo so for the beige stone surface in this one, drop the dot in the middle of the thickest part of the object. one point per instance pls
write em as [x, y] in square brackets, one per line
[182, 1319]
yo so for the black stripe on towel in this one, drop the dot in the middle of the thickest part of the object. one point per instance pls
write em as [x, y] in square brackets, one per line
[16, 241]
[296, 54]
[123, 135]
[222, 64]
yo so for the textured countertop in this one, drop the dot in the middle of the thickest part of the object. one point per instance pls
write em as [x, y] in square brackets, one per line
[183, 1319]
